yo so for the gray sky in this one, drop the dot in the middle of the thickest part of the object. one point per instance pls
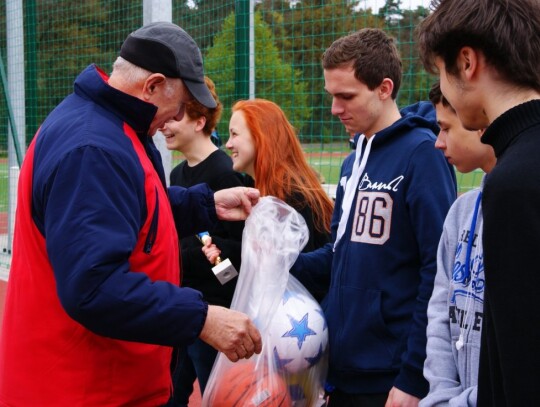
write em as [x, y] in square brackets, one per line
[377, 4]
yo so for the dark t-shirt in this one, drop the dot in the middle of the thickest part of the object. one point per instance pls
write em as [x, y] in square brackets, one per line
[216, 170]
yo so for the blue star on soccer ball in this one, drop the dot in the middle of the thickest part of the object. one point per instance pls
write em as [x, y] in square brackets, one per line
[291, 294]
[315, 359]
[279, 361]
[300, 330]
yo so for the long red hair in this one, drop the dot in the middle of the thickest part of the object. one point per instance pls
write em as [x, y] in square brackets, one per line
[281, 168]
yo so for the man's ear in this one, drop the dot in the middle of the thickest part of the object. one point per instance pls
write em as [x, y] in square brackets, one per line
[385, 88]
[468, 62]
[153, 84]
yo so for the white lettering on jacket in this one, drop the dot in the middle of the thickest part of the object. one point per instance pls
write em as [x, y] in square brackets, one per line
[366, 184]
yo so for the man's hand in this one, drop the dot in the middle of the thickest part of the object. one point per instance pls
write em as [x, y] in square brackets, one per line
[231, 332]
[398, 398]
[235, 203]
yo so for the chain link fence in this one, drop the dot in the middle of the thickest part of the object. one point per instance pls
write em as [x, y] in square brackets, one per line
[266, 48]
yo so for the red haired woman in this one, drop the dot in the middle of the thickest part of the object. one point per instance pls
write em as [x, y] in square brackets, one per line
[264, 145]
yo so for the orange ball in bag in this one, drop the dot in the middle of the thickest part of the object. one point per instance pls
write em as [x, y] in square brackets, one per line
[242, 385]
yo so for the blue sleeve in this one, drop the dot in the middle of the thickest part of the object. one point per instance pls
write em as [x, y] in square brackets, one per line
[431, 193]
[95, 207]
[194, 209]
[312, 269]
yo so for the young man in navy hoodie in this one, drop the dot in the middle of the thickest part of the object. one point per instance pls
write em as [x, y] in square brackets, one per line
[392, 198]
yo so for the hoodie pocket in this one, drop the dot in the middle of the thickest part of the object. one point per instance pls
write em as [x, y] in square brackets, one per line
[152, 231]
[362, 341]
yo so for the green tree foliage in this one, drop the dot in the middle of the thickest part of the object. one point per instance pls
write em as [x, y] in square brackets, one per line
[275, 79]
[70, 36]
[3, 107]
[202, 19]
[392, 11]
[126, 16]
[291, 37]
[303, 32]
[67, 41]
[415, 80]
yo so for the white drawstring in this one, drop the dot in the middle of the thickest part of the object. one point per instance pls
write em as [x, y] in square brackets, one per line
[465, 327]
[352, 185]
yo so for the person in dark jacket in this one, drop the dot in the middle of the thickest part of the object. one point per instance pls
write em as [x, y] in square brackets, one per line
[204, 163]
[391, 201]
[487, 54]
[93, 305]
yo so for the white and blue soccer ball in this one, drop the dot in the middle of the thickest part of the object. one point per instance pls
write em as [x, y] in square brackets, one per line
[298, 333]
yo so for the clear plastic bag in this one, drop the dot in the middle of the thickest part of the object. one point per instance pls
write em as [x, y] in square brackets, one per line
[292, 366]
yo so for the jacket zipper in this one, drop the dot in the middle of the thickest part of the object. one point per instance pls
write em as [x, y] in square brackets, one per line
[152, 232]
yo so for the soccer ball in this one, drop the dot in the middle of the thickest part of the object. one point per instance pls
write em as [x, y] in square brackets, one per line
[244, 385]
[298, 333]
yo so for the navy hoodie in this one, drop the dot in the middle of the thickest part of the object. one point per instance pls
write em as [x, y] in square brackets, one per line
[382, 270]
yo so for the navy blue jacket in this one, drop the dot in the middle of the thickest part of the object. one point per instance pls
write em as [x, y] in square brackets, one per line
[382, 271]
[89, 202]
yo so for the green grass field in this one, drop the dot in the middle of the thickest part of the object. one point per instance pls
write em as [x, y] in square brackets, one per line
[328, 163]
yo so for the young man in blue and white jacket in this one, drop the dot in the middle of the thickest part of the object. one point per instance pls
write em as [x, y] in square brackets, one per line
[393, 196]
[455, 310]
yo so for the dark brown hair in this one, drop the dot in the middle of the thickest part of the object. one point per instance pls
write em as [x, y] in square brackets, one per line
[436, 96]
[373, 55]
[507, 32]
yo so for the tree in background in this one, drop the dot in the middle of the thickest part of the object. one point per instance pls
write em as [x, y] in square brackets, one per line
[391, 11]
[68, 35]
[401, 24]
[275, 79]
[202, 19]
[303, 31]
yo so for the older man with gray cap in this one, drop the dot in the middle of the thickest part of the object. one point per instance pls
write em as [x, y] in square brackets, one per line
[93, 305]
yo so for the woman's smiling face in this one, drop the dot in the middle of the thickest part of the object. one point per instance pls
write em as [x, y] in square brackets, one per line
[241, 144]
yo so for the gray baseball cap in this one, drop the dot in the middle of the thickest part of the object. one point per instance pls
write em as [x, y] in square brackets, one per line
[165, 48]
